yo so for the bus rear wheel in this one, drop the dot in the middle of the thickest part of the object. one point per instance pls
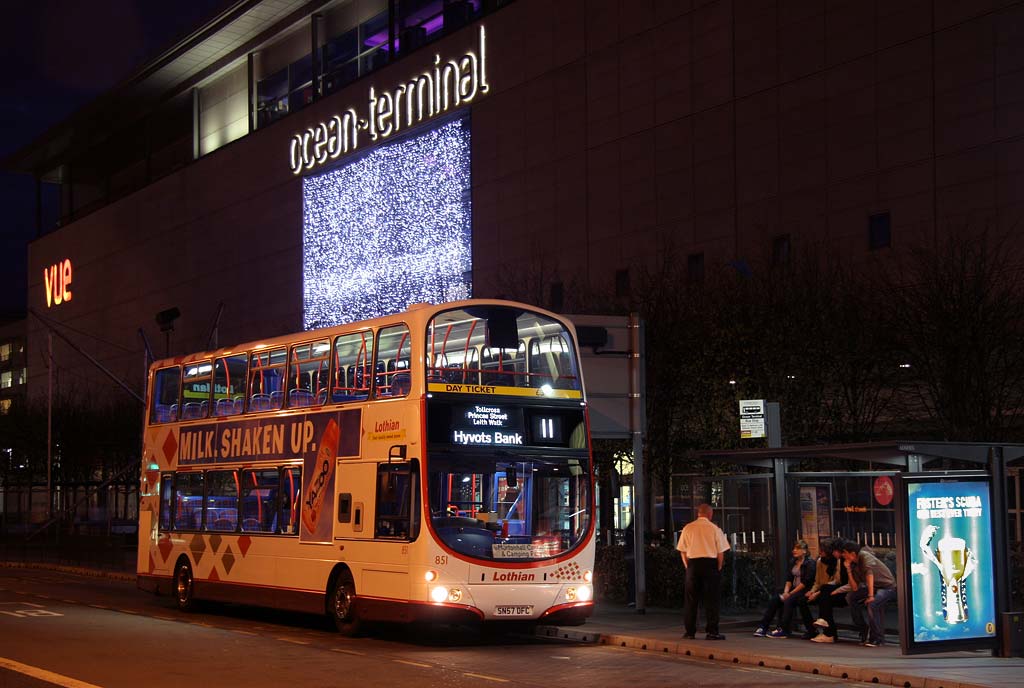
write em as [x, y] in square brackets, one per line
[184, 587]
[342, 606]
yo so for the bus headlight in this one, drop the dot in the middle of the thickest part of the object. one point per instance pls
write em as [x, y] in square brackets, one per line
[439, 593]
[588, 576]
[430, 576]
[580, 593]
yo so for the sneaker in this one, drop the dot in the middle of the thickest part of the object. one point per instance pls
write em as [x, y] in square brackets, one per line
[821, 623]
[760, 632]
[823, 639]
[778, 633]
[870, 643]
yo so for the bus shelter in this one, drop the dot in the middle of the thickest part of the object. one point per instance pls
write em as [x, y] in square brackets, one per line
[775, 496]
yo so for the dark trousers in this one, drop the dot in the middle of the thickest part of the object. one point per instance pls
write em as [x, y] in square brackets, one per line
[788, 607]
[827, 602]
[703, 582]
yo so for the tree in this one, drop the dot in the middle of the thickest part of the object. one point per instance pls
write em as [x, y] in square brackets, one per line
[958, 313]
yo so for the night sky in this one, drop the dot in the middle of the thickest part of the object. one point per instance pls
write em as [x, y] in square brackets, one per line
[58, 55]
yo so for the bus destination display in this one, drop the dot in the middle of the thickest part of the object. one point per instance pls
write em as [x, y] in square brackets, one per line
[488, 425]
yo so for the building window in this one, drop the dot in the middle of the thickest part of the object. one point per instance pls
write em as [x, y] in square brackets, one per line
[20, 376]
[622, 283]
[879, 231]
[5, 352]
[557, 296]
[780, 250]
[5, 407]
[5, 379]
[695, 268]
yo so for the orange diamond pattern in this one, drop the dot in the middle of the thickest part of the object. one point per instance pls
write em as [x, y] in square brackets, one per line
[243, 545]
[567, 572]
[170, 448]
[165, 546]
[228, 560]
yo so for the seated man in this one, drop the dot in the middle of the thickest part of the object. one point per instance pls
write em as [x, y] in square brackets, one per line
[872, 587]
[802, 569]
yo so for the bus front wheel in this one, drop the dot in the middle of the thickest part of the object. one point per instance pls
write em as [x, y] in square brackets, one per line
[184, 587]
[342, 606]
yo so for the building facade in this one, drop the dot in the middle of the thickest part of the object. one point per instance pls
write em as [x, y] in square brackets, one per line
[289, 149]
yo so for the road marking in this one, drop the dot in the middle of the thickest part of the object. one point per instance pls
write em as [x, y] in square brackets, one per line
[411, 663]
[127, 611]
[238, 630]
[348, 652]
[44, 675]
[486, 677]
[98, 606]
[70, 601]
[296, 641]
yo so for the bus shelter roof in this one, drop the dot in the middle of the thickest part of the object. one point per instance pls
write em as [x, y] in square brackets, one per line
[900, 453]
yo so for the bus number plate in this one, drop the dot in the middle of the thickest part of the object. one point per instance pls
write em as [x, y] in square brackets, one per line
[514, 610]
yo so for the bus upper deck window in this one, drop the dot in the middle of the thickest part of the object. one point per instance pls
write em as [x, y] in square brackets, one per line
[166, 390]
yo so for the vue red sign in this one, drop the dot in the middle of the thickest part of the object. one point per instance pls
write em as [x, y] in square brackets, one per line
[57, 281]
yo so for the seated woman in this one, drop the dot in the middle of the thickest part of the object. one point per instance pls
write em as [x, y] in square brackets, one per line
[829, 590]
[801, 578]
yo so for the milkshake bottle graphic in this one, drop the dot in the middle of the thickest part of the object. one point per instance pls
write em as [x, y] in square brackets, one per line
[320, 480]
[955, 562]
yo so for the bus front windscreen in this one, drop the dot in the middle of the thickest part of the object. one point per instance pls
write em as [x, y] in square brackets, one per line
[503, 507]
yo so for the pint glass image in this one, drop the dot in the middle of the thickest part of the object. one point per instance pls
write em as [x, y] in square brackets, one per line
[956, 562]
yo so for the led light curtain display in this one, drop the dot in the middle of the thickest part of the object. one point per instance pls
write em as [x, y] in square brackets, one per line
[390, 229]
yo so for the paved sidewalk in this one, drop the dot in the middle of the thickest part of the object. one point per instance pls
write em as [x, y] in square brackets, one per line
[661, 630]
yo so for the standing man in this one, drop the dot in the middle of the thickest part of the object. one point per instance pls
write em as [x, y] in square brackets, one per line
[702, 545]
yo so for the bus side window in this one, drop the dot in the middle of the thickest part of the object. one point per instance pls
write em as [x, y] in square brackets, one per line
[166, 389]
[166, 500]
[195, 390]
[288, 513]
[266, 379]
[393, 356]
[188, 501]
[353, 354]
[393, 501]
[221, 501]
[259, 500]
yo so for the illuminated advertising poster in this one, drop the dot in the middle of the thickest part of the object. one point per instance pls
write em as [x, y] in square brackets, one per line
[948, 549]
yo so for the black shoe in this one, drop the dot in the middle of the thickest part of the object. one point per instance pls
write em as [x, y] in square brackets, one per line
[714, 636]
[689, 636]
[808, 635]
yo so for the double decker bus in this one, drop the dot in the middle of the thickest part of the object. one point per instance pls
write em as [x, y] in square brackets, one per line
[430, 466]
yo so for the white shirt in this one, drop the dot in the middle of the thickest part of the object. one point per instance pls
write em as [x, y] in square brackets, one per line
[702, 539]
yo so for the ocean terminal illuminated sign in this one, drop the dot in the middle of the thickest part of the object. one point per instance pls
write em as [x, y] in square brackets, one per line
[57, 282]
[448, 85]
